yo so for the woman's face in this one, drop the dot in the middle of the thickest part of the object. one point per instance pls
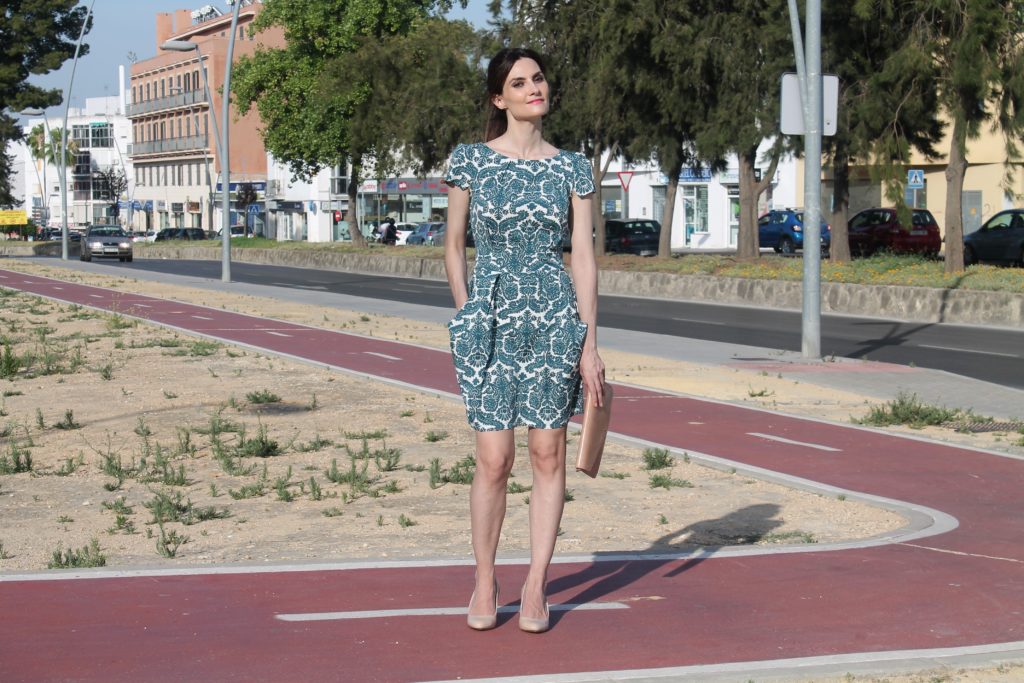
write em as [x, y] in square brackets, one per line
[525, 94]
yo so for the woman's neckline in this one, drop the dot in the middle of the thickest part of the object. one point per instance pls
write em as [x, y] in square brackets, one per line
[505, 156]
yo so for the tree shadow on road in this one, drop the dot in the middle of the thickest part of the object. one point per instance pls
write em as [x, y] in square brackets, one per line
[678, 551]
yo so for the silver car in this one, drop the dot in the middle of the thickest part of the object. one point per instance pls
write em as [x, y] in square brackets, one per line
[106, 241]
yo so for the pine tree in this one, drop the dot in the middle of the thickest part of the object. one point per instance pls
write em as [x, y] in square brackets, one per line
[38, 36]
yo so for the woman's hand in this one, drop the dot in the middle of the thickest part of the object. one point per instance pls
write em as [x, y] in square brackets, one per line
[592, 372]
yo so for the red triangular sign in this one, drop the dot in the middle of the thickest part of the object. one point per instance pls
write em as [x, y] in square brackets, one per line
[624, 178]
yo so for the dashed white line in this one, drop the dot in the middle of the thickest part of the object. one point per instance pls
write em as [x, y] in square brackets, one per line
[404, 289]
[954, 348]
[277, 334]
[201, 317]
[805, 444]
[142, 305]
[381, 355]
[957, 552]
[60, 288]
[97, 296]
[437, 611]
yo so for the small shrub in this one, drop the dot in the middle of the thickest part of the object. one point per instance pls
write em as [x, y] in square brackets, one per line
[666, 481]
[516, 487]
[262, 396]
[260, 446]
[68, 422]
[657, 459]
[169, 542]
[88, 556]
[434, 437]
[907, 409]
[405, 522]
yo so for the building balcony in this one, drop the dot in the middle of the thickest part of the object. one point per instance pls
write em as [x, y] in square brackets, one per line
[170, 145]
[185, 99]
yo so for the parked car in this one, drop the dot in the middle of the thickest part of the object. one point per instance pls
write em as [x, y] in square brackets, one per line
[874, 230]
[632, 236]
[424, 232]
[236, 231]
[108, 241]
[144, 236]
[436, 238]
[999, 240]
[783, 231]
[53, 235]
[404, 230]
[180, 234]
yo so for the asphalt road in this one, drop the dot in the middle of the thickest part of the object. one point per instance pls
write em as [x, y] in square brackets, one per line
[989, 354]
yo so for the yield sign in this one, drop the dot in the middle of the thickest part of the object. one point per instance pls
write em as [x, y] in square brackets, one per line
[624, 178]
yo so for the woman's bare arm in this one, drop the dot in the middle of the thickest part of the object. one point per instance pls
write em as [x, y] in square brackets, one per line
[584, 276]
[455, 244]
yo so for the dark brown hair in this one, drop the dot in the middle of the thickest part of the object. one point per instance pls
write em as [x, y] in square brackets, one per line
[497, 73]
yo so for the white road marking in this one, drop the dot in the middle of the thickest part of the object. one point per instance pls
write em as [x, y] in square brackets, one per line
[780, 439]
[61, 288]
[437, 611]
[201, 317]
[287, 284]
[954, 348]
[957, 552]
[381, 355]
[700, 322]
[403, 289]
[96, 296]
[277, 334]
[142, 305]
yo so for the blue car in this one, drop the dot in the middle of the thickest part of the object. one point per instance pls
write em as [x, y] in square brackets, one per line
[783, 231]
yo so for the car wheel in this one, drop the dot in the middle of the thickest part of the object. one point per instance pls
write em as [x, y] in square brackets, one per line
[86, 257]
[970, 258]
[786, 246]
[777, 250]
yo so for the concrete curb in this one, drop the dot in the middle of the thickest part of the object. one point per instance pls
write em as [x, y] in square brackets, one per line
[916, 304]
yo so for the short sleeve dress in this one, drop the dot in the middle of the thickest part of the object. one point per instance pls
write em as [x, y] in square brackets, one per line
[516, 343]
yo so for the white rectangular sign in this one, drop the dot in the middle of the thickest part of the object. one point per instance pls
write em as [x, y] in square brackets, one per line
[792, 110]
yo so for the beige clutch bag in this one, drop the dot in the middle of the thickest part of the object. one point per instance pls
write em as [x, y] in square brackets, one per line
[594, 433]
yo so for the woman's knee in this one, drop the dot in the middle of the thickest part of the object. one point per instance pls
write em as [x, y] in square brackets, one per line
[494, 466]
[547, 458]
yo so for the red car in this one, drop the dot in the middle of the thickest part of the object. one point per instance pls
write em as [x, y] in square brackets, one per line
[874, 230]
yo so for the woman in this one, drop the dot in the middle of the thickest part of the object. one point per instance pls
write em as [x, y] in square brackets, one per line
[523, 338]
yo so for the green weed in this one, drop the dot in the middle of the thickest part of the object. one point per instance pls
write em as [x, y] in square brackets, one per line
[666, 481]
[907, 409]
[88, 556]
[657, 459]
[262, 396]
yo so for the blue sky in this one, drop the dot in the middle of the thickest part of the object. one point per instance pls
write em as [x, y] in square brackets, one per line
[121, 27]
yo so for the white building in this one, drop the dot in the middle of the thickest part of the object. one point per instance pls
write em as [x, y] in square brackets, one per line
[102, 135]
[707, 209]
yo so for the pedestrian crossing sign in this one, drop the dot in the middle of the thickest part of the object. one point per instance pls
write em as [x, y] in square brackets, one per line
[915, 179]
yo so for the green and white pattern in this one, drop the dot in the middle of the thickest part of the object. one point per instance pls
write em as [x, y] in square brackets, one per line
[517, 341]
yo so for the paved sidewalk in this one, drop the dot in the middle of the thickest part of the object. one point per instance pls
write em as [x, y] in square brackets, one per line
[948, 586]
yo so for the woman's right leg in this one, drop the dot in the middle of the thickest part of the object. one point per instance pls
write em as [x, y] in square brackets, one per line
[495, 453]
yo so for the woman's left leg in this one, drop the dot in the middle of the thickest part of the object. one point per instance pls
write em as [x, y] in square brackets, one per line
[547, 499]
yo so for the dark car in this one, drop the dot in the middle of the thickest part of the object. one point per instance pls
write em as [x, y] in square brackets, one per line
[424, 233]
[874, 230]
[108, 241]
[632, 237]
[783, 231]
[180, 234]
[999, 240]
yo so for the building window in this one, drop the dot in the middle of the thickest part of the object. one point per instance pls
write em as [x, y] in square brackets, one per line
[339, 179]
[102, 135]
[82, 189]
[177, 80]
[163, 130]
[189, 175]
[147, 92]
[83, 164]
[163, 92]
[195, 80]
[100, 189]
[80, 136]
[181, 174]
[133, 95]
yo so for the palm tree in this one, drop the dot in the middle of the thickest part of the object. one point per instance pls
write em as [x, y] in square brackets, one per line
[52, 149]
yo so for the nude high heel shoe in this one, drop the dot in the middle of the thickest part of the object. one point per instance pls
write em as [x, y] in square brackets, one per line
[487, 621]
[531, 625]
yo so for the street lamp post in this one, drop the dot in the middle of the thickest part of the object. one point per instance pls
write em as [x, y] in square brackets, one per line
[62, 165]
[223, 146]
[35, 111]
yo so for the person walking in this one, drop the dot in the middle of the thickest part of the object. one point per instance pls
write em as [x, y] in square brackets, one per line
[524, 336]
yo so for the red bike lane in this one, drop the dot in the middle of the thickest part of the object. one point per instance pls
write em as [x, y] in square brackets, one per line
[399, 622]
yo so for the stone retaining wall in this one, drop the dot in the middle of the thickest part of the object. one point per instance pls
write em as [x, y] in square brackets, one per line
[918, 304]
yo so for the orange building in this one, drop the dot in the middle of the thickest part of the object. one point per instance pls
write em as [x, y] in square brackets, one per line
[174, 152]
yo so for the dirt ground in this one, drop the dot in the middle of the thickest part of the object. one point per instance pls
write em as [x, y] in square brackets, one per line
[169, 450]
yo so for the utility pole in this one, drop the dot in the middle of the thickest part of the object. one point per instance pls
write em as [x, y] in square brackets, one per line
[808, 62]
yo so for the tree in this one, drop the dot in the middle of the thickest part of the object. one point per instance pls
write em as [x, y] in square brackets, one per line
[114, 182]
[587, 61]
[887, 102]
[300, 127]
[38, 36]
[749, 45]
[244, 197]
[976, 47]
